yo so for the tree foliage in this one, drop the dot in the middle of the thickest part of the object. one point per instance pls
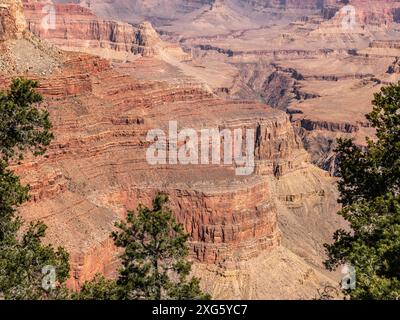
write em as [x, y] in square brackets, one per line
[99, 288]
[24, 128]
[154, 259]
[370, 194]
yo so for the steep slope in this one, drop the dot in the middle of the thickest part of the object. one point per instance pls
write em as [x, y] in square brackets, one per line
[96, 169]
[139, 10]
[20, 51]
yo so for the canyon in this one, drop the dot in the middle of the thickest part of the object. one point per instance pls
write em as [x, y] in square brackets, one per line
[284, 54]
[110, 71]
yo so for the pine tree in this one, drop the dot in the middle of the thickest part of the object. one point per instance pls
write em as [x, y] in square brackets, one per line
[24, 128]
[154, 261]
[99, 288]
[370, 194]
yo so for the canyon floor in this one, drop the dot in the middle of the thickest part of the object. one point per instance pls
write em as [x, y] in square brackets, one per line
[294, 75]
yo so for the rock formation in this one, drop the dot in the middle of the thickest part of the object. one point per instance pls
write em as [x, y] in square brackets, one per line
[160, 11]
[306, 62]
[73, 27]
[22, 52]
[272, 221]
[12, 23]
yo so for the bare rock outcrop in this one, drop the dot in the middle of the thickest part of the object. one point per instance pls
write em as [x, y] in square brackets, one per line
[12, 21]
[394, 67]
[22, 52]
[75, 26]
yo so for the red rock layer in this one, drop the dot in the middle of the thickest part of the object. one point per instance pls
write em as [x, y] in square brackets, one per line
[96, 168]
[76, 26]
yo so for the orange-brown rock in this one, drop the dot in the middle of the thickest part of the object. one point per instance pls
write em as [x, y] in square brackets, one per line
[12, 22]
[96, 169]
[73, 27]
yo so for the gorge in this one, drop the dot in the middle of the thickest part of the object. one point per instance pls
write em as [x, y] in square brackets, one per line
[288, 71]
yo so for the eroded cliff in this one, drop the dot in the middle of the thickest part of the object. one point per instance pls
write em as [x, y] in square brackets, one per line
[75, 28]
[96, 169]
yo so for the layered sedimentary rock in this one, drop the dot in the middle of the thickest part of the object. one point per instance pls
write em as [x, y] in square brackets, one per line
[20, 51]
[100, 171]
[73, 27]
[101, 164]
[134, 11]
[163, 12]
[321, 62]
[366, 11]
[96, 169]
[377, 12]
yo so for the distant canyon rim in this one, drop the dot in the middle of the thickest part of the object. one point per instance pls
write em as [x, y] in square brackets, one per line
[112, 70]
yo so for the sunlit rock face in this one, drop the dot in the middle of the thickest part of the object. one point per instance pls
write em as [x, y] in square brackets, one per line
[245, 232]
[12, 21]
[76, 28]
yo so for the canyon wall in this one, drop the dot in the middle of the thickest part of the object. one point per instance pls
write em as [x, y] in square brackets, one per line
[162, 12]
[12, 23]
[322, 67]
[367, 11]
[73, 27]
[96, 169]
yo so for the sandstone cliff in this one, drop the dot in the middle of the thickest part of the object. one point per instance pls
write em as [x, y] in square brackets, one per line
[96, 169]
[73, 27]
